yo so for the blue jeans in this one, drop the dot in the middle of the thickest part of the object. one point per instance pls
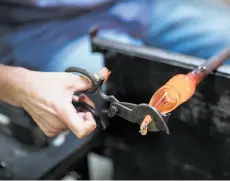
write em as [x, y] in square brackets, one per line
[193, 27]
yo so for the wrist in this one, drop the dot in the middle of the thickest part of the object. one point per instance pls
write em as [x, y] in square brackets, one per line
[13, 84]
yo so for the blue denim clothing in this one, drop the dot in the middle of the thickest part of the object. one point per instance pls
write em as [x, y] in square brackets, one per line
[193, 27]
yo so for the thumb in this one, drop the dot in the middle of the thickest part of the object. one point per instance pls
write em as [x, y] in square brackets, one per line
[83, 83]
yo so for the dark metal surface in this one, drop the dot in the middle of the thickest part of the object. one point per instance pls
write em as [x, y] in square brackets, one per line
[16, 123]
[199, 143]
[33, 164]
[25, 159]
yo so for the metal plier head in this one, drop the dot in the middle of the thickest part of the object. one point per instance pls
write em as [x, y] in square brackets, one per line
[134, 113]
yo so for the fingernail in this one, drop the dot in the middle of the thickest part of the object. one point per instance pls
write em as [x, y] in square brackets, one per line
[83, 97]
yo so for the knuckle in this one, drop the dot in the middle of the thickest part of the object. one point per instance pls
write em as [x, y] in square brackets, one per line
[56, 126]
[50, 134]
[51, 131]
[80, 134]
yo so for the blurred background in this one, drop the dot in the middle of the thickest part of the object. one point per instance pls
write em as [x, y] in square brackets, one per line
[51, 35]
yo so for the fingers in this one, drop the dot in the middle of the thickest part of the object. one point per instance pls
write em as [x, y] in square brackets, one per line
[75, 98]
[81, 114]
[83, 98]
[87, 117]
[78, 125]
[86, 99]
[89, 120]
[82, 83]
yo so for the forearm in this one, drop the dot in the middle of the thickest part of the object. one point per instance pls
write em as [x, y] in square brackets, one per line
[11, 84]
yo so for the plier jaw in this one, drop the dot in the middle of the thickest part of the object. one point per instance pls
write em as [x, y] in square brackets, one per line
[134, 113]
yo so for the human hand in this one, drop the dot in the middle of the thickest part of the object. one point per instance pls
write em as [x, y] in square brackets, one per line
[48, 97]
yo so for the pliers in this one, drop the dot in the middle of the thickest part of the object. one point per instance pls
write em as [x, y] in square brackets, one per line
[134, 113]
